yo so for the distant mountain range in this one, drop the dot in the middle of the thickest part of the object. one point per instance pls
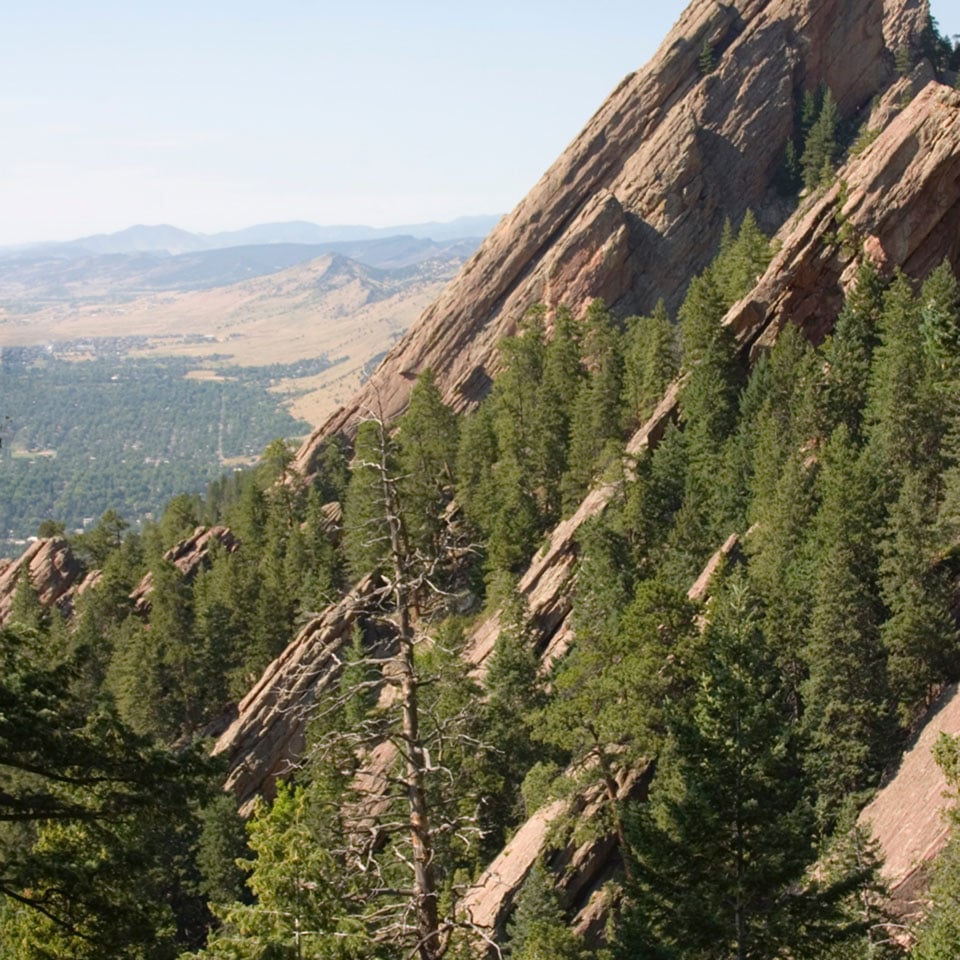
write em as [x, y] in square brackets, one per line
[154, 259]
[169, 240]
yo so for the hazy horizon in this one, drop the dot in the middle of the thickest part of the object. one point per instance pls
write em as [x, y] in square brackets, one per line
[214, 117]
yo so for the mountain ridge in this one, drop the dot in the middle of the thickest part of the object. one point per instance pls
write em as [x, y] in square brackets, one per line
[638, 200]
[171, 240]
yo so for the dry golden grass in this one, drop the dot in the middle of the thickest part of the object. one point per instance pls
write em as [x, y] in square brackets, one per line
[299, 313]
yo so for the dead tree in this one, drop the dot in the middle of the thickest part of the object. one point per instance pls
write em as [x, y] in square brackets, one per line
[394, 819]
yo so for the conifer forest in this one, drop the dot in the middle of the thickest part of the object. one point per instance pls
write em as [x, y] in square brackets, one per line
[763, 610]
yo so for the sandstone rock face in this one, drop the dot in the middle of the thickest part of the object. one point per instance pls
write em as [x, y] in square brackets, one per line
[898, 203]
[637, 201]
[187, 556]
[53, 571]
[630, 209]
[267, 737]
[913, 165]
[907, 815]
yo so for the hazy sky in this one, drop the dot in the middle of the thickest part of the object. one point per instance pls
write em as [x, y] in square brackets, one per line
[215, 115]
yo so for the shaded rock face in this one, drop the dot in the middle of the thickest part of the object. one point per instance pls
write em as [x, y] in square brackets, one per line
[898, 204]
[628, 211]
[637, 202]
[54, 570]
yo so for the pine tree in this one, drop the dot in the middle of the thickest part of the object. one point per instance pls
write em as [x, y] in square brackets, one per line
[720, 850]
[782, 564]
[513, 688]
[920, 635]
[562, 377]
[25, 608]
[848, 715]
[179, 519]
[595, 419]
[477, 452]
[608, 692]
[742, 261]
[403, 825]
[849, 350]
[940, 314]
[426, 455]
[651, 360]
[301, 892]
[108, 819]
[538, 929]
[96, 545]
[821, 148]
[902, 414]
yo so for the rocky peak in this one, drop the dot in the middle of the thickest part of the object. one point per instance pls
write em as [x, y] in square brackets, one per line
[637, 202]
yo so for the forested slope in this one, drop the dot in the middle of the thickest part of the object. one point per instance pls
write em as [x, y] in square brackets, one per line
[516, 631]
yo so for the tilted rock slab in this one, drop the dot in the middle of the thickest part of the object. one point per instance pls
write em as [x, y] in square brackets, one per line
[898, 203]
[187, 556]
[54, 570]
[636, 204]
[914, 164]
[268, 736]
[907, 817]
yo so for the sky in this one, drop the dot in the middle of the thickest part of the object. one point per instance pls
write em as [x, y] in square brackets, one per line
[213, 115]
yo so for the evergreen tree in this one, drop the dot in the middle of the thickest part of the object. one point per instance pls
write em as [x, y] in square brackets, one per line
[781, 567]
[651, 360]
[96, 545]
[720, 849]
[848, 715]
[25, 608]
[538, 929]
[940, 317]
[609, 690]
[562, 377]
[221, 847]
[301, 892]
[820, 150]
[920, 635]
[426, 455]
[902, 414]
[742, 261]
[513, 688]
[477, 452]
[179, 519]
[849, 350]
[107, 820]
[595, 420]
[708, 402]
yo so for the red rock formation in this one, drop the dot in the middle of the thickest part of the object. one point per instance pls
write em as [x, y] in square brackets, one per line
[187, 556]
[627, 212]
[53, 571]
[898, 203]
[267, 737]
[907, 817]
[637, 201]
